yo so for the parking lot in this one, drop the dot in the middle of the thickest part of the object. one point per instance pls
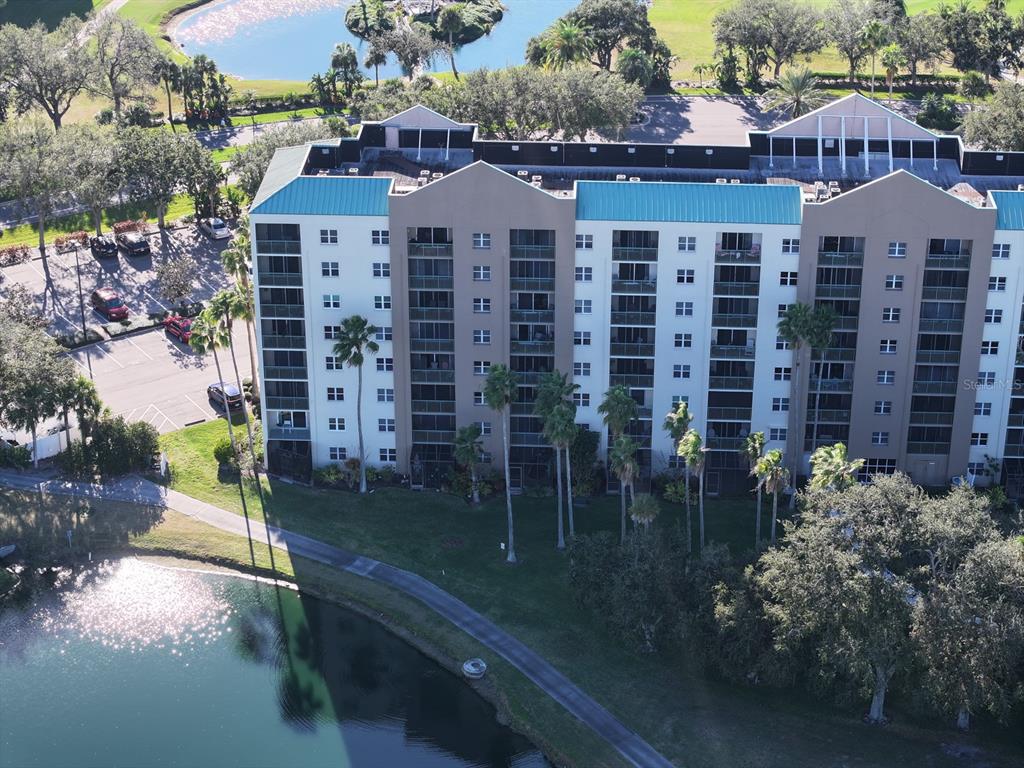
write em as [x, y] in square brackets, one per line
[55, 283]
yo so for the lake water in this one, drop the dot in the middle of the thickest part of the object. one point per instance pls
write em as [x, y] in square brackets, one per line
[293, 39]
[132, 664]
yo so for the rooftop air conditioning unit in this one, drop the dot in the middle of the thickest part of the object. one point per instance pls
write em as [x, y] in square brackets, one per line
[721, 181]
[353, 171]
[536, 177]
[535, 184]
[620, 177]
[522, 174]
[634, 178]
[436, 175]
[1020, 187]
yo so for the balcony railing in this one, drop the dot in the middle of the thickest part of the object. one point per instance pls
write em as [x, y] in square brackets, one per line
[432, 436]
[432, 313]
[433, 406]
[943, 292]
[634, 286]
[840, 354]
[439, 282]
[930, 418]
[938, 356]
[278, 246]
[731, 382]
[639, 380]
[1014, 450]
[288, 433]
[531, 252]
[284, 372]
[935, 387]
[539, 347]
[734, 320]
[631, 349]
[634, 254]
[840, 258]
[286, 403]
[732, 351]
[736, 288]
[526, 438]
[941, 261]
[431, 345]
[633, 318]
[830, 385]
[430, 250]
[847, 323]
[432, 376]
[1015, 420]
[729, 256]
[274, 341]
[829, 415]
[532, 315]
[726, 443]
[940, 325]
[837, 291]
[271, 279]
[281, 310]
[931, 449]
[722, 413]
[532, 283]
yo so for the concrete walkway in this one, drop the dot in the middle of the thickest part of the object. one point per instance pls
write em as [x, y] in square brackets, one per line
[634, 749]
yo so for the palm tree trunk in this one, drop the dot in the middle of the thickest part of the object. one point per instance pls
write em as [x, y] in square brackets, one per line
[251, 340]
[35, 452]
[568, 490]
[689, 518]
[376, 75]
[359, 428]
[558, 484]
[757, 525]
[700, 502]
[508, 492]
[245, 413]
[42, 235]
[622, 506]
[775, 514]
[476, 488]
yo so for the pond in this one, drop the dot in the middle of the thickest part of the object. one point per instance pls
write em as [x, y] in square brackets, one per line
[131, 663]
[293, 39]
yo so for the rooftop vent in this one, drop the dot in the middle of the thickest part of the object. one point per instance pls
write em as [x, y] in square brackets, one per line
[522, 174]
[620, 177]
[353, 171]
[536, 178]
[721, 181]
[634, 178]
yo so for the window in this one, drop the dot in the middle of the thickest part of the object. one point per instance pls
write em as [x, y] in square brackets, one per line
[979, 438]
[332, 331]
[481, 239]
[481, 337]
[584, 306]
[787, 278]
[986, 378]
[683, 340]
[332, 300]
[993, 316]
[337, 453]
[584, 274]
[677, 399]
[684, 276]
[481, 306]
[329, 269]
[997, 283]
[879, 438]
[382, 269]
[883, 407]
[885, 377]
[777, 434]
[481, 367]
[382, 302]
[781, 343]
[388, 455]
[485, 427]
[782, 373]
[1000, 250]
[890, 314]
[328, 237]
[383, 333]
[584, 242]
[380, 237]
[887, 346]
[335, 393]
[976, 467]
[478, 398]
[990, 347]
[385, 425]
[897, 250]
[385, 395]
[876, 467]
[385, 364]
[333, 363]
[687, 243]
[486, 457]
[790, 245]
[336, 424]
[684, 309]
[894, 282]
[982, 409]
[680, 371]
[780, 403]
[782, 310]
[581, 399]
[481, 273]
[581, 369]
[581, 338]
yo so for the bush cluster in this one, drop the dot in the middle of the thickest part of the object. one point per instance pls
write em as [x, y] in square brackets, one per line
[116, 447]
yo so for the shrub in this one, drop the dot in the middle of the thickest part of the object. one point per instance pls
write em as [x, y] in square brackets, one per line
[137, 114]
[129, 226]
[75, 461]
[14, 254]
[938, 112]
[68, 241]
[14, 456]
[583, 453]
[119, 447]
[105, 116]
[224, 453]
[328, 476]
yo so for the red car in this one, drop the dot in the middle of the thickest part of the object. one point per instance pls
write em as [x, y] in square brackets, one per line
[179, 327]
[108, 303]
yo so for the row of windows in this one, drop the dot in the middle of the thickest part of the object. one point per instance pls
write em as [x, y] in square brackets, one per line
[340, 453]
[333, 301]
[384, 332]
[687, 244]
[384, 394]
[377, 237]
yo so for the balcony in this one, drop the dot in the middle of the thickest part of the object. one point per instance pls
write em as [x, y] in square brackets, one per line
[284, 372]
[726, 443]
[935, 387]
[829, 416]
[837, 291]
[546, 252]
[943, 293]
[931, 418]
[433, 406]
[437, 282]
[730, 382]
[847, 323]
[432, 376]
[432, 436]
[288, 433]
[527, 438]
[840, 354]
[929, 449]
[285, 403]
[444, 314]
[281, 310]
[721, 413]
[940, 325]
[720, 320]
[732, 351]
[733, 288]
[273, 341]
[830, 385]
[529, 377]
[947, 261]
[1015, 420]
[840, 258]
[1014, 450]
[646, 287]
[634, 349]
[532, 283]
[431, 345]
[727, 256]
[635, 380]
[278, 246]
[938, 356]
[271, 279]
[634, 254]
[518, 315]
[540, 347]
[633, 318]
[430, 250]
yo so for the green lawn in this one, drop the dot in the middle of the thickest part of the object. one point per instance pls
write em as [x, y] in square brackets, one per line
[696, 722]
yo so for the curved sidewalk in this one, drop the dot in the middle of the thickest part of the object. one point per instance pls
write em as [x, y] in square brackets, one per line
[632, 747]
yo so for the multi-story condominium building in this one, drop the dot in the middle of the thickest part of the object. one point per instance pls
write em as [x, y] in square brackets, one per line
[663, 268]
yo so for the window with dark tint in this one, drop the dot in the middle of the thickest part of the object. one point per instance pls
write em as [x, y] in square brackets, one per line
[629, 238]
[277, 238]
[737, 241]
[429, 235]
[534, 237]
[949, 247]
[840, 244]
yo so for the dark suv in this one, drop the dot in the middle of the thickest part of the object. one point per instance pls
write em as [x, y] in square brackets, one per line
[134, 243]
[219, 389]
[102, 245]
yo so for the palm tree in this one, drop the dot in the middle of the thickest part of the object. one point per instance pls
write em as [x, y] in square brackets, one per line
[450, 22]
[753, 448]
[237, 261]
[818, 336]
[677, 423]
[356, 339]
[499, 393]
[622, 461]
[467, 453]
[345, 63]
[892, 60]
[875, 35]
[376, 56]
[691, 448]
[82, 398]
[793, 328]
[566, 44]
[832, 469]
[796, 93]
[170, 75]
[560, 431]
[618, 409]
[773, 476]
[644, 510]
[700, 70]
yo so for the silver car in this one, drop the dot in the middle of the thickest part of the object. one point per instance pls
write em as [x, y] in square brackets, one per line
[215, 228]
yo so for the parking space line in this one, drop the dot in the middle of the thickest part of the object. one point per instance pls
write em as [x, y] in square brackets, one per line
[108, 353]
[165, 416]
[75, 361]
[201, 409]
[152, 298]
[139, 348]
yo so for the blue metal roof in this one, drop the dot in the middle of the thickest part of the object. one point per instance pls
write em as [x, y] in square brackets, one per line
[329, 196]
[670, 201]
[1009, 209]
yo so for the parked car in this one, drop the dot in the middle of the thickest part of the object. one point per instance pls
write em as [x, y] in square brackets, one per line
[134, 243]
[108, 303]
[179, 327]
[102, 245]
[219, 389]
[215, 229]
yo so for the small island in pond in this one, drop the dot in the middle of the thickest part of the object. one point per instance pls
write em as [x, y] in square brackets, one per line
[467, 20]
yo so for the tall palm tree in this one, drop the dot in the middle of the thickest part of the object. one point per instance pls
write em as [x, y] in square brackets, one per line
[892, 60]
[644, 510]
[237, 260]
[376, 56]
[467, 453]
[818, 335]
[356, 339]
[753, 448]
[773, 476]
[499, 393]
[566, 44]
[450, 22]
[677, 423]
[832, 469]
[170, 75]
[796, 93]
[875, 36]
[793, 328]
[560, 431]
[82, 398]
[618, 409]
[622, 461]
[691, 448]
